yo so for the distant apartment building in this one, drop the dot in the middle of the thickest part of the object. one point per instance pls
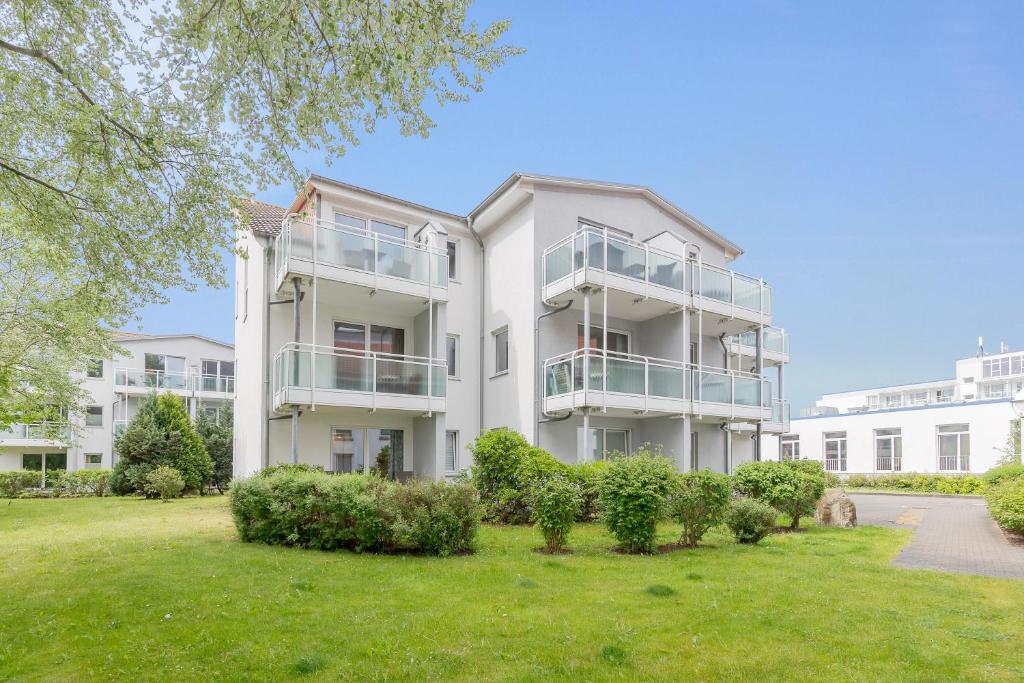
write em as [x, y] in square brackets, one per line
[948, 426]
[199, 370]
[590, 316]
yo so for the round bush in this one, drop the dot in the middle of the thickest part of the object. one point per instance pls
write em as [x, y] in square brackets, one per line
[792, 487]
[699, 502]
[165, 482]
[750, 520]
[556, 504]
[505, 468]
[633, 496]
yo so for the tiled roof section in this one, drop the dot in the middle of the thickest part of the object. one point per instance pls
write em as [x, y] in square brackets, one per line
[264, 219]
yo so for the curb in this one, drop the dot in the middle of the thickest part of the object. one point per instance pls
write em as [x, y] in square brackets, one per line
[911, 494]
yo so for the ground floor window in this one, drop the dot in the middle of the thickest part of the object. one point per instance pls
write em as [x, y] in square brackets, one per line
[93, 460]
[790, 444]
[358, 449]
[835, 451]
[954, 447]
[451, 451]
[888, 450]
[604, 442]
[44, 462]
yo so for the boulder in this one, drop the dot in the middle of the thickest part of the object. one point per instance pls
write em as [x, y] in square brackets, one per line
[836, 509]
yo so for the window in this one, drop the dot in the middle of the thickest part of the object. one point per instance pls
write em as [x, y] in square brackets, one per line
[344, 221]
[617, 341]
[453, 355]
[218, 375]
[453, 271]
[165, 372]
[603, 442]
[93, 460]
[835, 451]
[212, 413]
[954, 448]
[790, 447]
[893, 401]
[387, 229]
[888, 450]
[356, 450]
[95, 369]
[995, 390]
[501, 351]
[944, 395]
[347, 451]
[872, 402]
[44, 462]
[1002, 367]
[451, 442]
[919, 398]
[694, 451]
[94, 416]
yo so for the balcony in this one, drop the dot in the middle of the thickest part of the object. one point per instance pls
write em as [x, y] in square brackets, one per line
[645, 282]
[630, 385]
[131, 380]
[213, 384]
[779, 421]
[776, 345]
[36, 434]
[363, 259]
[358, 379]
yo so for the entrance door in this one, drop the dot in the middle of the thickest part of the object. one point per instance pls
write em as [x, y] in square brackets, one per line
[351, 370]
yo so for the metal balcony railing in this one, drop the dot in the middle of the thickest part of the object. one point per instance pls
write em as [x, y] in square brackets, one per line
[150, 379]
[598, 249]
[304, 366]
[213, 383]
[53, 431]
[594, 370]
[365, 251]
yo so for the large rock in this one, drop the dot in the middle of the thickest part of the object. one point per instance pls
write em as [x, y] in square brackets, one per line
[836, 509]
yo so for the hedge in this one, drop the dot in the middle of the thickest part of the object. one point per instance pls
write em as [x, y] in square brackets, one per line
[356, 512]
[1006, 504]
[83, 483]
[13, 482]
[912, 481]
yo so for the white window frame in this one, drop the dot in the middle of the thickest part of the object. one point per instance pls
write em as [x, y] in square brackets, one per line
[896, 461]
[793, 442]
[453, 371]
[508, 350]
[960, 455]
[92, 465]
[842, 453]
[919, 398]
[453, 266]
[453, 435]
[611, 330]
[87, 414]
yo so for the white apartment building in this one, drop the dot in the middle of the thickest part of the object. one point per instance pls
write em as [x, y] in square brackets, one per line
[590, 316]
[949, 426]
[200, 370]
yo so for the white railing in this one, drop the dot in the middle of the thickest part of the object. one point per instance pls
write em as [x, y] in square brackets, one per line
[588, 247]
[305, 366]
[614, 372]
[53, 431]
[361, 250]
[221, 384]
[780, 413]
[161, 380]
[775, 340]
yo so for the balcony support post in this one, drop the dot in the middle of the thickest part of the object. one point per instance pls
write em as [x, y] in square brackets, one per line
[760, 390]
[687, 449]
[295, 360]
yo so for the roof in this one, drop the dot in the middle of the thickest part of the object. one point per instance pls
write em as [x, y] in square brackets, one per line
[265, 219]
[643, 190]
[141, 336]
[323, 180]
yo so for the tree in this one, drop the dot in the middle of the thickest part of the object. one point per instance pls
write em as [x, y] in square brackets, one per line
[218, 437]
[128, 130]
[160, 435]
[1010, 452]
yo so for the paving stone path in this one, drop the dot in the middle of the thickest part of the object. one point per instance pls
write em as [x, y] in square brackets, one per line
[952, 534]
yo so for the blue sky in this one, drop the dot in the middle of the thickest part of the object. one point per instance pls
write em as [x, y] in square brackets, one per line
[868, 157]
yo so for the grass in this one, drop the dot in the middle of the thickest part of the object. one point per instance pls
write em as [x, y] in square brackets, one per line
[122, 588]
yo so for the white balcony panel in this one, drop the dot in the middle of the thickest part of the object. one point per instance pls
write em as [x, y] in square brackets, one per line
[35, 435]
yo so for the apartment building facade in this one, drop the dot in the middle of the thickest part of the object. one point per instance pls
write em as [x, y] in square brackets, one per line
[199, 370]
[590, 316]
[951, 426]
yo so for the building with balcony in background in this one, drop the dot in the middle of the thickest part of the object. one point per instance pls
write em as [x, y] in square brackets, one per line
[592, 317]
[949, 426]
[199, 370]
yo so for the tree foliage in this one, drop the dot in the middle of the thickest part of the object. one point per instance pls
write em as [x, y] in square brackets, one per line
[218, 437]
[128, 129]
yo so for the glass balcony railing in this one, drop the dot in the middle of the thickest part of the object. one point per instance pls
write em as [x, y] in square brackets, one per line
[213, 383]
[368, 252]
[780, 412]
[775, 340]
[303, 366]
[52, 431]
[599, 249]
[654, 377]
[150, 379]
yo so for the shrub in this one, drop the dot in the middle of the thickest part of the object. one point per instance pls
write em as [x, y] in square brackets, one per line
[923, 483]
[699, 502]
[792, 487]
[313, 509]
[556, 504]
[218, 438]
[83, 483]
[13, 482]
[289, 467]
[165, 482]
[997, 475]
[128, 479]
[750, 520]
[1006, 504]
[587, 475]
[505, 468]
[633, 493]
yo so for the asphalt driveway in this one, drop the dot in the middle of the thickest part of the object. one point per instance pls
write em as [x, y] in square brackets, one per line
[953, 534]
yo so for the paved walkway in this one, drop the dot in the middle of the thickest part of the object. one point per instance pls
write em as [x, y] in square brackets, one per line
[953, 534]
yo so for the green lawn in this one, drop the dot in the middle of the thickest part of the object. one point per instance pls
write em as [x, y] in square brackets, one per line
[119, 588]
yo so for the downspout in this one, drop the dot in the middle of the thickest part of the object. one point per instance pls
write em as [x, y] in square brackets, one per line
[728, 446]
[483, 287]
[537, 393]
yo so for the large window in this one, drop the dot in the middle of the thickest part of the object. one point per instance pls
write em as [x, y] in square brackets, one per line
[617, 341]
[954, 448]
[165, 372]
[1002, 367]
[218, 375]
[888, 450]
[790, 447]
[451, 451]
[835, 451]
[94, 370]
[452, 355]
[501, 351]
[94, 416]
[44, 462]
[604, 442]
[995, 390]
[358, 449]
[353, 372]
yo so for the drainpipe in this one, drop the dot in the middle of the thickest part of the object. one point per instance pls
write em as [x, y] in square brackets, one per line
[295, 408]
[728, 446]
[538, 396]
[483, 288]
[760, 389]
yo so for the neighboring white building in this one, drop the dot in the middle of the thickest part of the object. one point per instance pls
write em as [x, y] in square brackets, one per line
[200, 370]
[365, 321]
[947, 426]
